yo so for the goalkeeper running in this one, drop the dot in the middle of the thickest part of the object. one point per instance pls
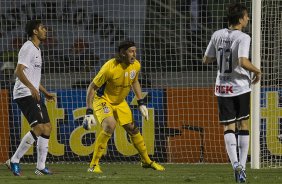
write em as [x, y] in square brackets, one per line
[106, 94]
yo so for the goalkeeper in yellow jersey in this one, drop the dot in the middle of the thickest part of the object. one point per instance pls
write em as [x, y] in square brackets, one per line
[106, 98]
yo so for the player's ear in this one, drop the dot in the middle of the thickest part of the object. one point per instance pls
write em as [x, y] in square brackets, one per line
[35, 31]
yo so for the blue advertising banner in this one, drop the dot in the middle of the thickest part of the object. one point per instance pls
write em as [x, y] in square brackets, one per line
[69, 141]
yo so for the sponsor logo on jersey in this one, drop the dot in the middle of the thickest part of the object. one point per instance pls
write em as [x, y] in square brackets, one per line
[37, 66]
[224, 89]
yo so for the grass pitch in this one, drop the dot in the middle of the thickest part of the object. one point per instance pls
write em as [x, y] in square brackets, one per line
[123, 173]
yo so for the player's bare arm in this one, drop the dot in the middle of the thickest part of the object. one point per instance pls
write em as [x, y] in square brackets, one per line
[49, 96]
[20, 74]
[142, 107]
[90, 95]
[207, 60]
[89, 119]
[246, 64]
[137, 89]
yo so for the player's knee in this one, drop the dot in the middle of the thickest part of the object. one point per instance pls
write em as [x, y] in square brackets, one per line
[244, 126]
[109, 128]
[131, 129]
[47, 128]
[109, 125]
[38, 129]
[231, 126]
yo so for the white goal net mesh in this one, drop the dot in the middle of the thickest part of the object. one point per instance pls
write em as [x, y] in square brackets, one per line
[271, 107]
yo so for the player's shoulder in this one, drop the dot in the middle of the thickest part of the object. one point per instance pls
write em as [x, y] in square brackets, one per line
[27, 46]
[137, 62]
[136, 65]
[243, 35]
[109, 63]
[219, 32]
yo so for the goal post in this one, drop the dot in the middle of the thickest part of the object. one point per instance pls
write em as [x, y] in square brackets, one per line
[255, 95]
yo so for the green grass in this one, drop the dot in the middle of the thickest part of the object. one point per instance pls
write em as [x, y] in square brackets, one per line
[133, 173]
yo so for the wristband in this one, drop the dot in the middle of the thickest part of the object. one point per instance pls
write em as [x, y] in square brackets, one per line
[140, 102]
[89, 111]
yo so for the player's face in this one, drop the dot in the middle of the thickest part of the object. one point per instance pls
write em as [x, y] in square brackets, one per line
[245, 20]
[42, 32]
[130, 55]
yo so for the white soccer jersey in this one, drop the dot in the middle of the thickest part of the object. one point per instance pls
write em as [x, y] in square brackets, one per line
[228, 46]
[30, 57]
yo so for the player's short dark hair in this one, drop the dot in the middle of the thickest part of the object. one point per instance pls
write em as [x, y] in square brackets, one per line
[125, 45]
[31, 25]
[235, 12]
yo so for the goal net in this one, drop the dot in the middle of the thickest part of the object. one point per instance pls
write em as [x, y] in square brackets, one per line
[171, 37]
[271, 111]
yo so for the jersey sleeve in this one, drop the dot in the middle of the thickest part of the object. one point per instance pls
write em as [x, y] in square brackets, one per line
[102, 76]
[244, 46]
[25, 55]
[211, 51]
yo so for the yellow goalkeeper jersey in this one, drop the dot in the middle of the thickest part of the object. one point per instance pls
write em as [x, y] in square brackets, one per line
[115, 79]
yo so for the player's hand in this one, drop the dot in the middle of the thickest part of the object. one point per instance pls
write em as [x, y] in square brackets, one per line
[256, 78]
[89, 120]
[35, 94]
[143, 109]
[50, 96]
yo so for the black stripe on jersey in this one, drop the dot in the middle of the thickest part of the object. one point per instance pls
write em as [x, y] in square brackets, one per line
[101, 90]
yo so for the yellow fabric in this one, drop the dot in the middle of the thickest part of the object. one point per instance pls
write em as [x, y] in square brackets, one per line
[115, 79]
[100, 145]
[104, 109]
[139, 144]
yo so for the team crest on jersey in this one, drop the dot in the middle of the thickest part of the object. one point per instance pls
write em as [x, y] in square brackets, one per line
[132, 74]
[106, 109]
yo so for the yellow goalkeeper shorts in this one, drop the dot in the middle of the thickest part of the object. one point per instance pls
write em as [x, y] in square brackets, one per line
[121, 112]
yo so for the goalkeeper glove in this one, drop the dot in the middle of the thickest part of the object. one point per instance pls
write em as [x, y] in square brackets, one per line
[143, 109]
[88, 120]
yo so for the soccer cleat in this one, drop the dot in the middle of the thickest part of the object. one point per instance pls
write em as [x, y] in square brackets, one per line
[153, 165]
[8, 164]
[242, 176]
[44, 171]
[237, 167]
[14, 167]
[95, 169]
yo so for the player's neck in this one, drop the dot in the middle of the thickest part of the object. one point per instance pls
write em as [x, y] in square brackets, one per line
[236, 27]
[35, 41]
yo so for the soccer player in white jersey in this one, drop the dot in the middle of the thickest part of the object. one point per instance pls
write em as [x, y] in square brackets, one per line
[230, 48]
[26, 95]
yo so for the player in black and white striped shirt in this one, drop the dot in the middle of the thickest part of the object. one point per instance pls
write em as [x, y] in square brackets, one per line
[26, 95]
[230, 48]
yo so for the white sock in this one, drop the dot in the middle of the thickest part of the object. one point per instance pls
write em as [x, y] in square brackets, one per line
[243, 144]
[42, 150]
[26, 143]
[231, 146]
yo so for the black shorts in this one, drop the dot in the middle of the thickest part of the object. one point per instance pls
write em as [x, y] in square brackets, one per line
[35, 112]
[233, 109]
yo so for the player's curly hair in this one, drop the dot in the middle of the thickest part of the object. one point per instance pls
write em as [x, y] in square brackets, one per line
[235, 12]
[123, 46]
[31, 25]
